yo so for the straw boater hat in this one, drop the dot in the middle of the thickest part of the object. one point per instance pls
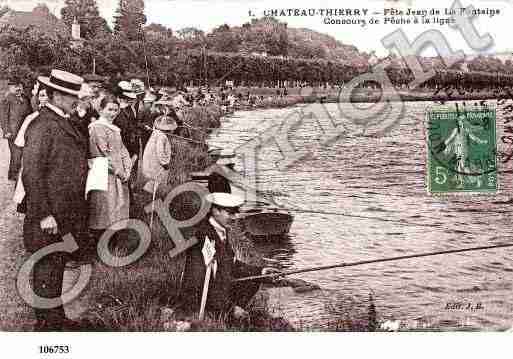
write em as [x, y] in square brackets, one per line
[128, 90]
[63, 81]
[165, 123]
[226, 200]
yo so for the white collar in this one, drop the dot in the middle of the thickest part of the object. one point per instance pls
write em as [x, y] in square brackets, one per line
[219, 229]
[104, 122]
[57, 110]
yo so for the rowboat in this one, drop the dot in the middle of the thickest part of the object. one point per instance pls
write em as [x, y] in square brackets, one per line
[265, 222]
[259, 219]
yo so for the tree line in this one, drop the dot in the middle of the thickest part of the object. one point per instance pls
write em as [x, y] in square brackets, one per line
[157, 54]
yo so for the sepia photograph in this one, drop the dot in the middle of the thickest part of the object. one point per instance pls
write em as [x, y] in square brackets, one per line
[255, 166]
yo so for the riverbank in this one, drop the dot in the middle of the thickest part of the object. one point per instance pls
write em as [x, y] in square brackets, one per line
[274, 98]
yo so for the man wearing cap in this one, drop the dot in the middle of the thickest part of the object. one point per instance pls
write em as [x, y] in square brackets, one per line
[13, 109]
[224, 296]
[54, 176]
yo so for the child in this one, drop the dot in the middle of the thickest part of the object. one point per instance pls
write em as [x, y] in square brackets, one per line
[157, 154]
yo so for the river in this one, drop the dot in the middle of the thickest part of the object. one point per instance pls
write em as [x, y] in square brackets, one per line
[381, 177]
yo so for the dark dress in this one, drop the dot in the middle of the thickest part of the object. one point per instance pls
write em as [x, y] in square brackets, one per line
[222, 294]
[54, 176]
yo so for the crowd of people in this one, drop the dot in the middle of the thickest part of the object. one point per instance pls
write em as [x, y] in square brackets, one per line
[70, 130]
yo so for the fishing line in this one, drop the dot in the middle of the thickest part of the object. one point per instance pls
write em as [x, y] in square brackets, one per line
[187, 139]
[380, 260]
[300, 210]
[357, 216]
[202, 129]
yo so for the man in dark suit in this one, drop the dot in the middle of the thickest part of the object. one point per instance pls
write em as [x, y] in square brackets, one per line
[13, 109]
[54, 175]
[224, 296]
[128, 122]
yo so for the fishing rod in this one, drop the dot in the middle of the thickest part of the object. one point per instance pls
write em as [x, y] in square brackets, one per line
[212, 128]
[381, 260]
[180, 137]
[146, 61]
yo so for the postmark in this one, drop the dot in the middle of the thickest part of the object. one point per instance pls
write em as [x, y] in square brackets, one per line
[461, 150]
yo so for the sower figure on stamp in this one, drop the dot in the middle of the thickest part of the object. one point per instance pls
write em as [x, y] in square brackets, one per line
[224, 296]
[54, 177]
[14, 108]
[458, 145]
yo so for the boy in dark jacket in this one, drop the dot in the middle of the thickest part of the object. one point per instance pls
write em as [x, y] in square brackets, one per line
[224, 296]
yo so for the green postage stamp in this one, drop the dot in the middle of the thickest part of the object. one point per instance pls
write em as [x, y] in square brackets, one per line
[461, 150]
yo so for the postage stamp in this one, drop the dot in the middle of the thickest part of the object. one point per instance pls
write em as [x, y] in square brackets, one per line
[461, 150]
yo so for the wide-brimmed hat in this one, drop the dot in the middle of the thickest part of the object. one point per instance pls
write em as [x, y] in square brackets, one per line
[165, 123]
[63, 81]
[226, 200]
[128, 90]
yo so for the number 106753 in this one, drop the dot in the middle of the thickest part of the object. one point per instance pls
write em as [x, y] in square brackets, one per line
[54, 349]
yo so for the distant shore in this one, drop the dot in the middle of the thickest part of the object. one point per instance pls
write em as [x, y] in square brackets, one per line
[293, 96]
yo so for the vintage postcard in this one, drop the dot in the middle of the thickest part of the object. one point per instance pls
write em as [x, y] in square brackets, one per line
[255, 166]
